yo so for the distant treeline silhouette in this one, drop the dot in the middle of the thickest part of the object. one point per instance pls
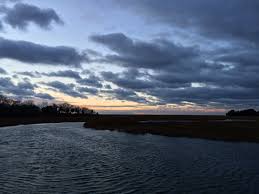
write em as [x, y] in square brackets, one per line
[10, 107]
[248, 112]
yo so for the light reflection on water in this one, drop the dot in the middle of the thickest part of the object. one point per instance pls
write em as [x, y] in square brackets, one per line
[67, 158]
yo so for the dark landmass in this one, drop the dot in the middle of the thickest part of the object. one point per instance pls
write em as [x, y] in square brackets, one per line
[24, 120]
[207, 127]
[248, 112]
[13, 112]
[235, 126]
[14, 108]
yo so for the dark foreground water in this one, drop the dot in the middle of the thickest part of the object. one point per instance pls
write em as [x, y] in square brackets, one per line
[67, 158]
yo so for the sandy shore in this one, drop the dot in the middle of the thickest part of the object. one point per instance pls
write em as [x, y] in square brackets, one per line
[207, 127]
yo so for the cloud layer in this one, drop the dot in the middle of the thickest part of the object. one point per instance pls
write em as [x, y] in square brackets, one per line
[232, 19]
[33, 53]
[130, 53]
[177, 74]
[21, 90]
[21, 15]
[206, 53]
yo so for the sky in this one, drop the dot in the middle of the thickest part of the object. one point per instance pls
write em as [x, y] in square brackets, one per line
[132, 56]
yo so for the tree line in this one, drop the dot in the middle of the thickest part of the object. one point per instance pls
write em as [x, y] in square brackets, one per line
[248, 112]
[10, 107]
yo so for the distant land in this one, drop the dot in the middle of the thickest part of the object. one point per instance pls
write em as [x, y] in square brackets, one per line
[240, 125]
[13, 112]
[225, 128]
[248, 112]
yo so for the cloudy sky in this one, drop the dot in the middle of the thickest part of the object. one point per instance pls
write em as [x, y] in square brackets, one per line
[132, 56]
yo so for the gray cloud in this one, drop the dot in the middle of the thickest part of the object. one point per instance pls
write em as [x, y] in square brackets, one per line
[5, 82]
[2, 71]
[23, 89]
[128, 79]
[64, 74]
[91, 80]
[107, 86]
[214, 85]
[160, 68]
[26, 85]
[234, 19]
[44, 96]
[134, 53]
[176, 73]
[21, 15]
[7, 1]
[32, 53]
[1, 26]
[225, 96]
[126, 95]
[33, 74]
[68, 89]
[88, 90]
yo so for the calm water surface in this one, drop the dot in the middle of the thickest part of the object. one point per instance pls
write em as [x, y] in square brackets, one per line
[67, 158]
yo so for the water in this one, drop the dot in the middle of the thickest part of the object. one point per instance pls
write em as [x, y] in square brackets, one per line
[67, 158]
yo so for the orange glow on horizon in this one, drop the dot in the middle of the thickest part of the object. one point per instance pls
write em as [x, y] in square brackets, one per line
[100, 104]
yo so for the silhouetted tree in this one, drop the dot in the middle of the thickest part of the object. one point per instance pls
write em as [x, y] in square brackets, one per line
[53, 109]
[9, 107]
[248, 112]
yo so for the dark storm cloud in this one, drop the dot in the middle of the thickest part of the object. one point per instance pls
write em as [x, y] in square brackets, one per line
[44, 96]
[222, 76]
[91, 80]
[88, 90]
[29, 52]
[23, 89]
[68, 89]
[2, 71]
[215, 84]
[64, 74]
[107, 86]
[26, 85]
[226, 87]
[206, 95]
[175, 73]
[73, 90]
[1, 26]
[21, 15]
[129, 79]
[33, 74]
[5, 82]
[134, 53]
[126, 95]
[246, 57]
[133, 79]
[232, 19]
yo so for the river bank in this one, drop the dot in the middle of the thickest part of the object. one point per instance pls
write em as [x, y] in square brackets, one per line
[205, 127]
[23, 120]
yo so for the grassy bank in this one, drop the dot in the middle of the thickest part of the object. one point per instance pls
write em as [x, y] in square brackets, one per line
[207, 127]
[12, 121]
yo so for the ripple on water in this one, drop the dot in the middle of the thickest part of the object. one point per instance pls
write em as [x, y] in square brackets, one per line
[67, 158]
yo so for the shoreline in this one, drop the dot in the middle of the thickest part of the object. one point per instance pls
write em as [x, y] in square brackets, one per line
[41, 119]
[220, 128]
